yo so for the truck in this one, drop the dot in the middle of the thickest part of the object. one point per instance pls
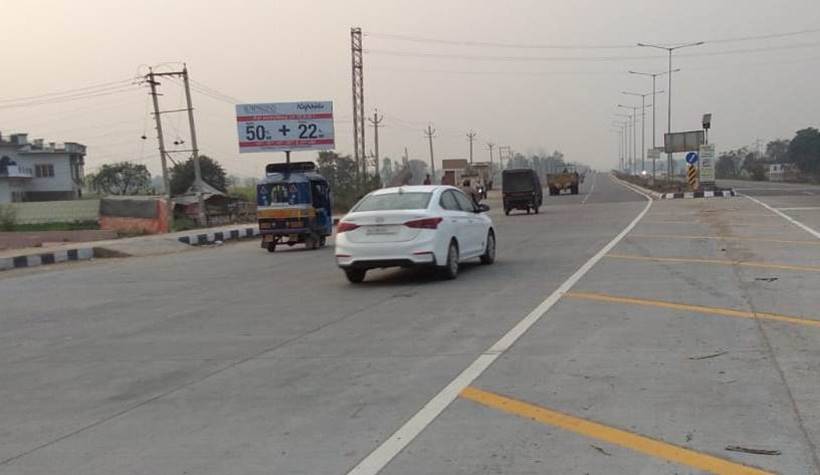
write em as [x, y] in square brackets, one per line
[565, 179]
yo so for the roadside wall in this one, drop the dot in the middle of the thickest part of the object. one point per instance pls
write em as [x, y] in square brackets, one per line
[134, 215]
[56, 211]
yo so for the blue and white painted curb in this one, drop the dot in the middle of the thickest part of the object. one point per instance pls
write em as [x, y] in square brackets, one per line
[44, 258]
[210, 237]
[699, 194]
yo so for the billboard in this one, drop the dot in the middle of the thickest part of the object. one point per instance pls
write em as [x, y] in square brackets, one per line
[683, 141]
[272, 127]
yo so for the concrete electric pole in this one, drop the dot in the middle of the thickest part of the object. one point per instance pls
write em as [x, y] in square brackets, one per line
[430, 133]
[471, 135]
[376, 120]
[166, 182]
[203, 217]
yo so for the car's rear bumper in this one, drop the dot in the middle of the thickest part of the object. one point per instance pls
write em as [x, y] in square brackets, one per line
[389, 254]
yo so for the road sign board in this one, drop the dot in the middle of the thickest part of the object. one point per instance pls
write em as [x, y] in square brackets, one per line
[692, 175]
[653, 154]
[707, 163]
[683, 141]
[692, 158]
[283, 126]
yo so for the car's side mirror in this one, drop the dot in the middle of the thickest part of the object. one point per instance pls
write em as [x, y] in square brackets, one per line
[482, 208]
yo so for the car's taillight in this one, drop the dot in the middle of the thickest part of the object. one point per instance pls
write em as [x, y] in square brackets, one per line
[344, 226]
[425, 223]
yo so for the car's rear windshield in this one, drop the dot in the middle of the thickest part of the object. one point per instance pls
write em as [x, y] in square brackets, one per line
[394, 201]
[517, 182]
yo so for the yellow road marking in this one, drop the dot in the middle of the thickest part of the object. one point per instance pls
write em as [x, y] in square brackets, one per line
[629, 440]
[721, 238]
[726, 262]
[726, 312]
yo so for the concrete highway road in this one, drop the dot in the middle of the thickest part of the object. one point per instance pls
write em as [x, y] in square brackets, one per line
[614, 335]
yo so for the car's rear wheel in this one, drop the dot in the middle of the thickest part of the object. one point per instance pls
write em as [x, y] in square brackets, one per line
[355, 276]
[450, 269]
[489, 252]
[507, 211]
[271, 247]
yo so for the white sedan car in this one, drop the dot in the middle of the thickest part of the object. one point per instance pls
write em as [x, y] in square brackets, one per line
[414, 226]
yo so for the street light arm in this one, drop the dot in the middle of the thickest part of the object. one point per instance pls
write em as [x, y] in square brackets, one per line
[665, 48]
[697, 43]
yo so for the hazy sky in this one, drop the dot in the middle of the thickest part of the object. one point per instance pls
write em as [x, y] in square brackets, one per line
[269, 51]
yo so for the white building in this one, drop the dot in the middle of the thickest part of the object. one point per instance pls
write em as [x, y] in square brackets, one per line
[31, 171]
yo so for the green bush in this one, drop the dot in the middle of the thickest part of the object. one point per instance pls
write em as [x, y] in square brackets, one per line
[8, 218]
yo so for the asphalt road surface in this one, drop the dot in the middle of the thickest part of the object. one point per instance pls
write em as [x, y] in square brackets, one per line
[613, 336]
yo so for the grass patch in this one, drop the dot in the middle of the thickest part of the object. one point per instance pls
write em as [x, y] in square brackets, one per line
[73, 226]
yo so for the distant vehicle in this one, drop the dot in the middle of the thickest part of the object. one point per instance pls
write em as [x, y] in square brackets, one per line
[565, 179]
[521, 189]
[293, 206]
[436, 226]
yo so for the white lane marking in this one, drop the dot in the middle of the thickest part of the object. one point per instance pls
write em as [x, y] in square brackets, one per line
[591, 189]
[391, 447]
[787, 217]
[804, 208]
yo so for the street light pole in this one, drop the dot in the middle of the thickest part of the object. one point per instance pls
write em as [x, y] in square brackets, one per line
[643, 122]
[654, 101]
[670, 49]
[627, 121]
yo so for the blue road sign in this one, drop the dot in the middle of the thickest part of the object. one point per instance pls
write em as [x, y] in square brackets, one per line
[692, 158]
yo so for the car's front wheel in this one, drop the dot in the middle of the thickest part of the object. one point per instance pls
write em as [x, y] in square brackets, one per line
[355, 276]
[450, 269]
[489, 251]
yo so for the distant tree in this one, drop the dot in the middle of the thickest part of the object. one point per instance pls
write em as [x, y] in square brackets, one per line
[387, 170]
[804, 150]
[777, 151]
[182, 175]
[418, 168]
[754, 166]
[123, 178]
[340, 172]
[728, 163]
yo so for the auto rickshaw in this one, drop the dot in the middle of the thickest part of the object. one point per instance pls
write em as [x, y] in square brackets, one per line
[294, 206]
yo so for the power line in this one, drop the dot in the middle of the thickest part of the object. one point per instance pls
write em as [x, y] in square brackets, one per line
[68, 91]
[582, 58]
[579, 72]
[60, 100]
[490, 44]
[418, 39]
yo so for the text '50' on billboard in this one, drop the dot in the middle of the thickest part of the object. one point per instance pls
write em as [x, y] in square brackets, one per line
[283, 126]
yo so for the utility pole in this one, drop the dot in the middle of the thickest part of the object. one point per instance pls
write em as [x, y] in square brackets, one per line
[357, 71]
[166, 182]
[471, 135]
[430, 133]
[376, 120]
[490, 146]
[203, 217]
[405, 159]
